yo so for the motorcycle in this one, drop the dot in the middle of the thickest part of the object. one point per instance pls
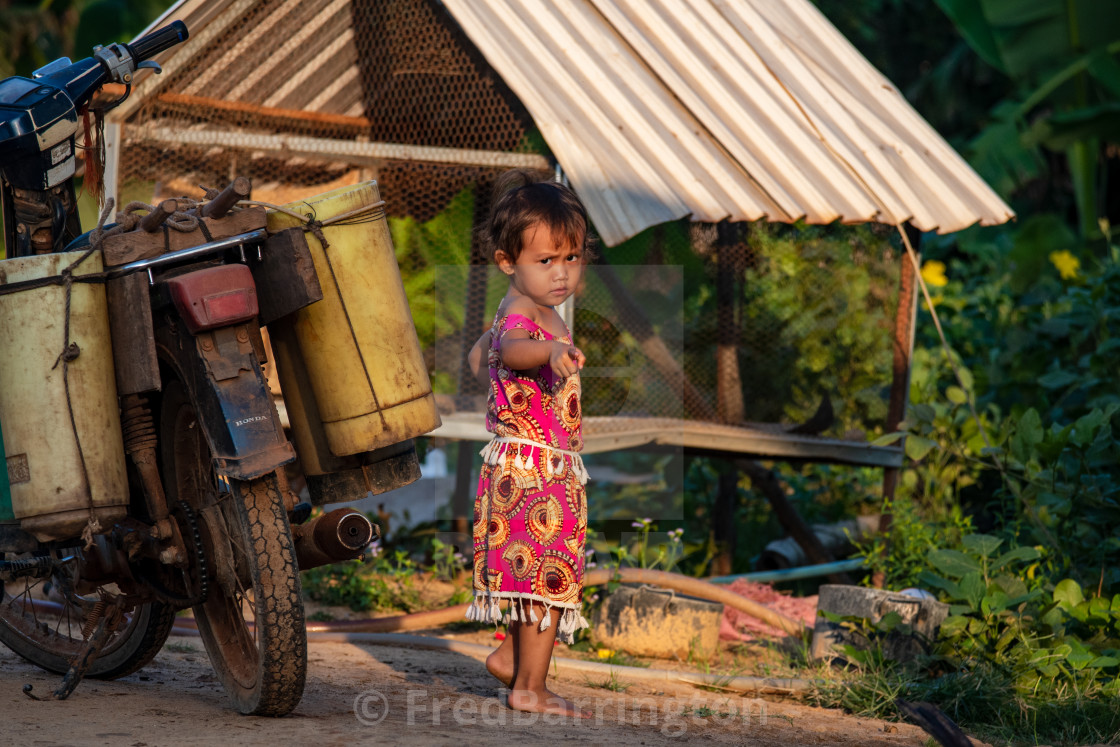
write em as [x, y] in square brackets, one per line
[98, 556]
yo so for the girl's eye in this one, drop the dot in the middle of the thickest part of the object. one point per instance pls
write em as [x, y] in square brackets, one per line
[573, 257]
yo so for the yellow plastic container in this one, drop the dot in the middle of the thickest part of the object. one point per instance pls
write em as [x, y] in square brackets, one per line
[49, 495]
[358, 344]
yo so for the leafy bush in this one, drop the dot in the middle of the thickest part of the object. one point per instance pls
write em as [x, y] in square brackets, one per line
[366, 583]
[1016, 656]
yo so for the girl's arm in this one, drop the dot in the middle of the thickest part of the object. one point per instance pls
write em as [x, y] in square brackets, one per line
[521, 353]
[476, 357]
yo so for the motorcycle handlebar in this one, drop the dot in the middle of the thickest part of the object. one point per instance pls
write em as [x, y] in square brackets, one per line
[159, 40]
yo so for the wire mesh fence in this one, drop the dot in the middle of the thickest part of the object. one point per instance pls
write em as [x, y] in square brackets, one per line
[730, 322]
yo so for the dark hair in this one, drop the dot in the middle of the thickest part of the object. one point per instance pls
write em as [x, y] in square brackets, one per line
[521, 199]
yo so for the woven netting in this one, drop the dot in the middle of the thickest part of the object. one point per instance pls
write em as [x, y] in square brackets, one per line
[299, 97]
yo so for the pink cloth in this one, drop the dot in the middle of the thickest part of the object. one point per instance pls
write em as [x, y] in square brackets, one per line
[739, 626]
[530, 517]
[533, 405]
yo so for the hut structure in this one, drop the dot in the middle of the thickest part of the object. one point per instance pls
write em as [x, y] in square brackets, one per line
[678, 122]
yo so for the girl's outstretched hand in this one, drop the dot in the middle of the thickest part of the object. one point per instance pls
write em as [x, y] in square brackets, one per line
[565, 359]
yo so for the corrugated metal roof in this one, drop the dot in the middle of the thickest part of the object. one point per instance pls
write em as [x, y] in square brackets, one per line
[736, 109]
[656, 109]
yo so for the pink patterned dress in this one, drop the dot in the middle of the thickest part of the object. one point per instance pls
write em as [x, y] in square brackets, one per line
[530, 516]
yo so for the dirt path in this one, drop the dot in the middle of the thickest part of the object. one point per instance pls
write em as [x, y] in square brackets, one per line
[402, 696]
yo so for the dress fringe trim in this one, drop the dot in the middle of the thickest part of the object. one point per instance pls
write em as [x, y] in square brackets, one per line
[485, 609]
[497, 451]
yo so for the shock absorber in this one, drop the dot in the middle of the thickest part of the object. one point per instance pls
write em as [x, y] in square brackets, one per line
[140, 441]
[137, 425]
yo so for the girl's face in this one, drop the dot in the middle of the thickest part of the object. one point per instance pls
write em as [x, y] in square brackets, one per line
[547, 270]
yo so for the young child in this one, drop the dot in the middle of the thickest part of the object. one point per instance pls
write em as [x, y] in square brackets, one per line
[530, 516]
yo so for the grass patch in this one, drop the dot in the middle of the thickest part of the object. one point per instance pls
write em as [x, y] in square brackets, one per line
[180, 648]
[612, 683]
[983, 701]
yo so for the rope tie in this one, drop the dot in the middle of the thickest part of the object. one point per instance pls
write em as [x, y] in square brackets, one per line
[314, 226]
[70, 352]
[316, 229]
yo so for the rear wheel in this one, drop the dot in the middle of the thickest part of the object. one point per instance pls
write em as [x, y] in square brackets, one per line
[251, 621]
[45, 621]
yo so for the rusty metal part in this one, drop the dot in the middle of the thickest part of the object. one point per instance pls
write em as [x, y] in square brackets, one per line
[101, 562]
[140, 442]
[342, 534]
[110, 617]
[161, 212]
[227, 198]
[11, 570]
[46, 220]
[93, 618]
[130, 329]
[352, 477]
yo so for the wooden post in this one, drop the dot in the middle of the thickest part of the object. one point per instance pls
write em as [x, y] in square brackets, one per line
[729, 386]
[462, 498]
[903, 349]
[723, 518]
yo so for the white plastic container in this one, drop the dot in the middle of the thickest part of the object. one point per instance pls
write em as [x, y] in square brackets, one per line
[51, 495]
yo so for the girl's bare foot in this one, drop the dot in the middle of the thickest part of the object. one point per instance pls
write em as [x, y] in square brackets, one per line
[500, 664]
[545, 701]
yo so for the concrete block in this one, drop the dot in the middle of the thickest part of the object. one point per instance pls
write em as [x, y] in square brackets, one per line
[663, 624]
[922, 616]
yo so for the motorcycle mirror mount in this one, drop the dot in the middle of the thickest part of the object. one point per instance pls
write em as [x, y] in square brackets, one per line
[52, 67]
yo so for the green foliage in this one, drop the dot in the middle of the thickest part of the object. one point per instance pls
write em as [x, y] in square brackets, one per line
[1066, 480]
[366, 584]
[942, 434]
[1012, 659]
[1030, 337]
[1061, 58]
[660, 555]
[434, 257]
[612, 683]
[901, 556]
[35, 33]
[447, 563]
[1048, 472]
[107, 21]
[1045, 479]
[835, 342]
[1050, 645]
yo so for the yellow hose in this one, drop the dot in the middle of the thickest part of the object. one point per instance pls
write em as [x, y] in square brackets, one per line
[675, 581]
